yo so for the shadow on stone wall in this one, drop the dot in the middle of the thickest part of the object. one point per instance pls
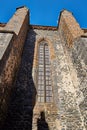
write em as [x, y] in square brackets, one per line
[20, 110]
[41, 122]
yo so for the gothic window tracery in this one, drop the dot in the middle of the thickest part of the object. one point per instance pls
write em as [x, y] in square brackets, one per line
[44, 74]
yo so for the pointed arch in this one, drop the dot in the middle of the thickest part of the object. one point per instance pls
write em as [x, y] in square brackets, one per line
[51, 48]
[43, 54]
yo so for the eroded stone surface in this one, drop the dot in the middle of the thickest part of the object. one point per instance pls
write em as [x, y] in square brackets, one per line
[5, 39]
[69, 88]
[19, 116]
[11, 47]
[66, 83]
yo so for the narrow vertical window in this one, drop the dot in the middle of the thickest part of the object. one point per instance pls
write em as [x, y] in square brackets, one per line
[44, 74]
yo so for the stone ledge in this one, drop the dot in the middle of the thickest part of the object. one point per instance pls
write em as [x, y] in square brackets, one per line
[2, 24]
[21, 7]
[39, 27]
[6, 31]
[84, 35]
[85, 30]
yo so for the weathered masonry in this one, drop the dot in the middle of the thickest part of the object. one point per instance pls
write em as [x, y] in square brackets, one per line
[43, 74]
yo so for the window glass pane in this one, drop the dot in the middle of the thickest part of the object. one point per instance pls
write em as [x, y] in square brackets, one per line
[44, 74]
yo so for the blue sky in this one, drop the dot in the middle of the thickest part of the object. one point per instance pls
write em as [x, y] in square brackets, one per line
[45, 12]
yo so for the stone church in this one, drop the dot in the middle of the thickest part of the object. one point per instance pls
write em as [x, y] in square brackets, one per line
[43, 74]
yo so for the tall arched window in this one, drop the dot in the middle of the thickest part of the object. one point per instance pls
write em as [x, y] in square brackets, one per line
[44, 93]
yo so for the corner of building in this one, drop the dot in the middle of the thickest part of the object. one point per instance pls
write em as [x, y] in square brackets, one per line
[12, 39]
[68, 27]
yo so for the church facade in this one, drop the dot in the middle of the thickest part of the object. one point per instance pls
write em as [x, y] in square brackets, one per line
[43, 74]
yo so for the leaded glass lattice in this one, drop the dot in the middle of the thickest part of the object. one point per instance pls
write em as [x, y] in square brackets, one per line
[44, 74]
